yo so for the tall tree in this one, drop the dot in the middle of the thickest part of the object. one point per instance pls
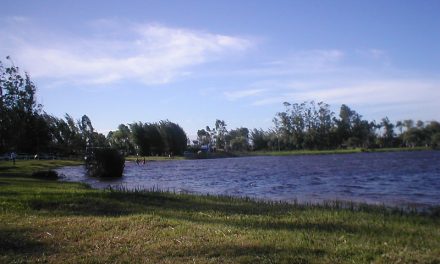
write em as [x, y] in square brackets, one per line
[121, 139]
[140, 139]
[388, 135]
[220, 128]
[259, 139]
[173, 137]
[238, 139]
[203, 137]
[408, 124]
[87, 131]
[21, 126]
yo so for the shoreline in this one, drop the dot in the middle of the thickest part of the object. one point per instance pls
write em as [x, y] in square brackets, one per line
[332, 152]
[51, 221]
[222, 154]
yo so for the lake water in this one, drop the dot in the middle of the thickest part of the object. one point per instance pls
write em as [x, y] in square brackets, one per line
[394, 178]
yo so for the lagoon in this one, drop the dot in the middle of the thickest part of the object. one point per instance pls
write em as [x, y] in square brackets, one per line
[395, 178]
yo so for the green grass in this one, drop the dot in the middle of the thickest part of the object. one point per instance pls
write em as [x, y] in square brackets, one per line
[221, 154]
[154, 158]
[323, 152]
[48, 221]
[27, 167]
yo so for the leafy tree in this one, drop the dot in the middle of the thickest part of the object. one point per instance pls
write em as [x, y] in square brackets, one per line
[154, 137]
[160, 138]
[399, 125]
[21, 125]
[422, 135]
[435, 140]
[408, 124]
[140, 139]
[212, 135]
[173, 137]
[305, 125]
[349, 127]
[388, 135]
[259, 139]
[87, 130]
[413, 137]
[220, 128]
[121, 139]
[238, 139]
[432, 128]
[204, 137]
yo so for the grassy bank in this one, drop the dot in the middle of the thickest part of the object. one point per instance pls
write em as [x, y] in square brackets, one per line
[324, 152]
[27, 167]
[221, 154]
[48, 221]
[154, 158]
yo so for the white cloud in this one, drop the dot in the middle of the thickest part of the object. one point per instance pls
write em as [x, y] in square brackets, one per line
[372, 53]
[16, 19]
[377, 53]
[234, 95]
[363, 92]
[400, 98]
[273, 100]
[398, 91]
[316, 59]
[149, 53]
[300, 62]
[356, 78]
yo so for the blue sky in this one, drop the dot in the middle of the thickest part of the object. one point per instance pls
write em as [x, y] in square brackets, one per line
[193, 62]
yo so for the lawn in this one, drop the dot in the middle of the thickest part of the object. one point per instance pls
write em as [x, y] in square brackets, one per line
[50, 221]
[27, 167]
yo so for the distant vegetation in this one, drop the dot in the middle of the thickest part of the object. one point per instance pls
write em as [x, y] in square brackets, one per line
[26, 128]
[149, 139]
[311, 126]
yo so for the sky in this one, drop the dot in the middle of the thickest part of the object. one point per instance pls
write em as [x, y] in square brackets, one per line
[193, 62]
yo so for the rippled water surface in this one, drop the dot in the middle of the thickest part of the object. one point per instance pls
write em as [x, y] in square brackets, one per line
[395, 178]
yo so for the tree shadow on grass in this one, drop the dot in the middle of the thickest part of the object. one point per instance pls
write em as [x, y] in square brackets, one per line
[110, 203]
[248, 253]
[198, 209]
[6, 168]
[17, 241]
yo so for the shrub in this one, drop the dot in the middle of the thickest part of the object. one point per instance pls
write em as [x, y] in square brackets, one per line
[105, 162]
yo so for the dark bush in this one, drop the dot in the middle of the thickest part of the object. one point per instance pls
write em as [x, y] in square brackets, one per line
[105, 162]
[48, 175]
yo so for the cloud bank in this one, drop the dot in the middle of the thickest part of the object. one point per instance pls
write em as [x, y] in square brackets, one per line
[148, 53]
[364, 79]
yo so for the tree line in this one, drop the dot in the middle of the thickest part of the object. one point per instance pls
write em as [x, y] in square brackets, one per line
[313, 126]
[218, 137]
[26, 127]
[149, 139]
